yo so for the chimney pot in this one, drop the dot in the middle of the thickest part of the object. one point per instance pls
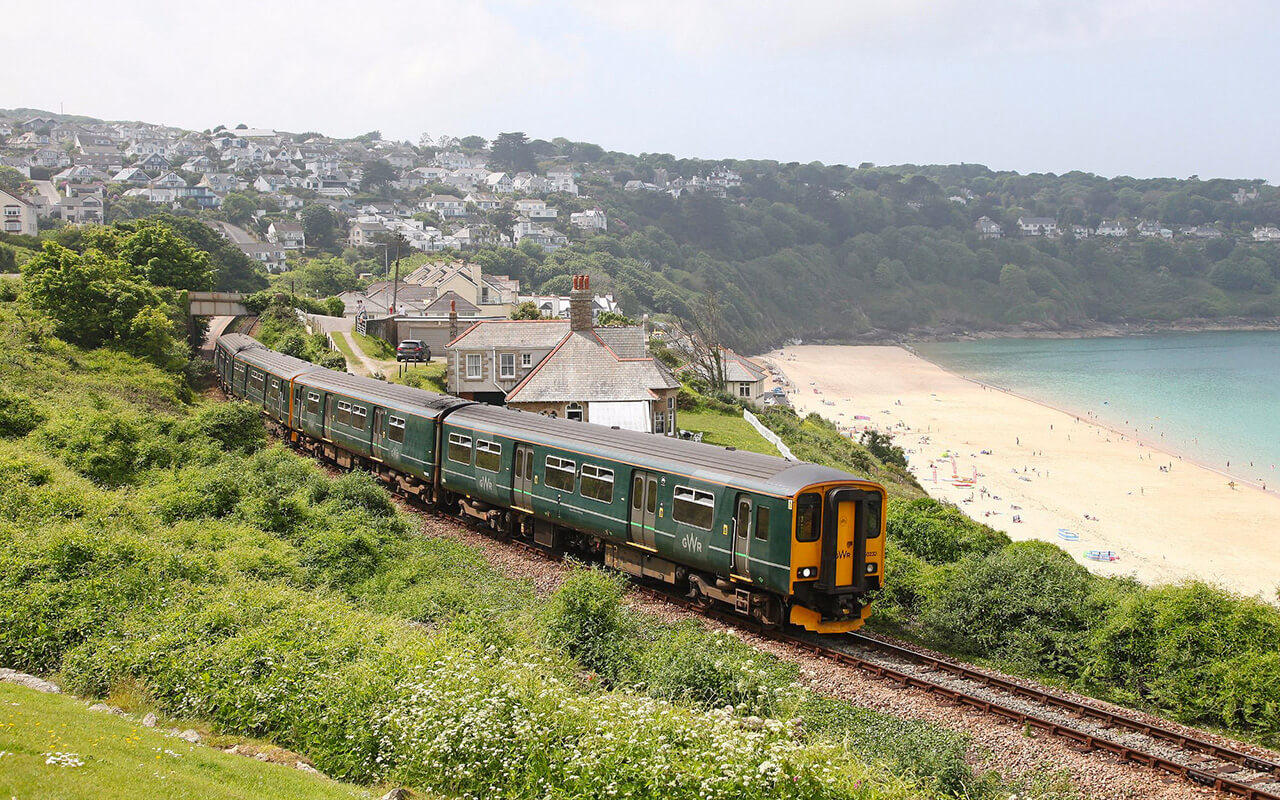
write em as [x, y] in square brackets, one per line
[580, 304]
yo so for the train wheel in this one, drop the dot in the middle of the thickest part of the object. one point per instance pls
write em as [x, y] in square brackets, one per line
[696, 594]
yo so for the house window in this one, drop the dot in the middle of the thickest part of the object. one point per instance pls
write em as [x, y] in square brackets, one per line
[506, 365]
[344, 413]
[526, 360]
[473, 366]
[358, 416]
[488, 455]
[660, 422]
[459, 448]
[12, 211]
[395, 429]
[13, 226]
[574, 412]
[560, 473]
[693, 507]
[671, 404]
[744, 390]
[597, 483]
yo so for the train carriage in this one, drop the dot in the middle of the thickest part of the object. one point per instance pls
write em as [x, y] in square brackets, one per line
[779, 540]
[393, 426]
[745, 528]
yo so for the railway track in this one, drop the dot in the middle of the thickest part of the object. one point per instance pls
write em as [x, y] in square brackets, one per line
[1089, 727]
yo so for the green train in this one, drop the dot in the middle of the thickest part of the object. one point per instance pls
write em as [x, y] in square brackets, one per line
[781, 541]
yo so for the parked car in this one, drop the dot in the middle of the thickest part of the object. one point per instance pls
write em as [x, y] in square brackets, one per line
[413, 350]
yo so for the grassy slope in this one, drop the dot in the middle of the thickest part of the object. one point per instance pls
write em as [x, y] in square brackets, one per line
[373, 347]
[725, 430]
[122, 759]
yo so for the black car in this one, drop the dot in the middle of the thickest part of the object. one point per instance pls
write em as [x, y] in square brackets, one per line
[413, 350]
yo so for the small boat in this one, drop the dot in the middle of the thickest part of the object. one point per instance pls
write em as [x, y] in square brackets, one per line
[1101, 555]
[1068, 535]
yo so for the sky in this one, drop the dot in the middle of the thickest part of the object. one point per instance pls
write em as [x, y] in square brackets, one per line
[1116, 87]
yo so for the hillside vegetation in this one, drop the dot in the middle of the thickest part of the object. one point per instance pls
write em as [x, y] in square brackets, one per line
[159, 546]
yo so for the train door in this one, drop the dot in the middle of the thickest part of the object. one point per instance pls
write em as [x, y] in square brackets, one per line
[644, 508]
[742, 537]
[522, 484]
[380, 443]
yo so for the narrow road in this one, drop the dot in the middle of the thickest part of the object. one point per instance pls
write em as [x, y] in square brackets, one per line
[216, 326]
[235, 234]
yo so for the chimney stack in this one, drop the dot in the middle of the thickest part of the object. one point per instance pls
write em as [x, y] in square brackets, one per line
[580, 304]
[453, 320]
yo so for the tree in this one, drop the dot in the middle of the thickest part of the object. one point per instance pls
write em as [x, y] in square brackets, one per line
[95, 299]
[11, 180]
[319, 226]
[614, 319]
[511, 151]
[473, 142]
[378, 174]
[239, 208]
[164, 258]
[370, 137]
[527, 310]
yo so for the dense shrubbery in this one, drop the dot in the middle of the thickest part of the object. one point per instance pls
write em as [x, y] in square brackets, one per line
[280, 329]
[1196, 651]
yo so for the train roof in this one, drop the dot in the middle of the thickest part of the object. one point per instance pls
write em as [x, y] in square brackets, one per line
[276, 363]
[699, 460]
[405, 398]
[235, 342]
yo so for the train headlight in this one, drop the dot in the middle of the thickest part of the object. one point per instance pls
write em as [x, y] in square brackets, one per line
[807, 572]
[871, 568]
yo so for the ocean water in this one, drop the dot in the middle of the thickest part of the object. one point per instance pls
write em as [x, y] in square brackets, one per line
[1212, 396]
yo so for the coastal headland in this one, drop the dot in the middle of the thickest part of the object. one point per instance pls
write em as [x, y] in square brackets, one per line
[1039, 472]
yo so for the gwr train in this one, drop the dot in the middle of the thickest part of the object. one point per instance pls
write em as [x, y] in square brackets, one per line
[779, 540]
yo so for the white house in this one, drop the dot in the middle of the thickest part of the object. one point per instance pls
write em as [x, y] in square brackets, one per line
[287, 234]
[446, 205]
[988, 228]
[499, 183]
[592, 220]
[536, 209]
[561, 179]
[1038, 226]
[1267, 234]
[169, 180]
[1113, 228]
[17, 216]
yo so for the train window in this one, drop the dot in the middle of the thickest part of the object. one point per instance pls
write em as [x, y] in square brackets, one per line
[395, 429]
[560, 473]
[313, 403]
[693, 507]
[460, 448]
[488, 455]
[637, 492]
[344, 413]
[809, 518]
[762, 523]
[358, 416]
[873, 519]
[597, 483]
[275, 387]
[257, 380]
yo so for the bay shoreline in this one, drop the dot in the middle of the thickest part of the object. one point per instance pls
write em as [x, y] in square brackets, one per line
[1037, 468]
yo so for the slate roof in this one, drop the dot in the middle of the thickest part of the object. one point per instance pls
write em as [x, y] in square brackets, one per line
[737, 368]
[534, 334]
[582, 369]
[625, 342]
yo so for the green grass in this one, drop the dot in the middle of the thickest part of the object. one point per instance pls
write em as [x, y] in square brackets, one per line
[373, 347]
[344, 347]
[725, 430]
[429, 376]
[122, 759]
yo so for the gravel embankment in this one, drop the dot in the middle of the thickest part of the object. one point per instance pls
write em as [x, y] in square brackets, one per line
[997, 745]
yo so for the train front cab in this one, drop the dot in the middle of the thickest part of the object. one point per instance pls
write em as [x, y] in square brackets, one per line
[837, 554]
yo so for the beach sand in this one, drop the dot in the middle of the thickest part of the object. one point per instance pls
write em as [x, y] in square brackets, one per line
[1048, 467]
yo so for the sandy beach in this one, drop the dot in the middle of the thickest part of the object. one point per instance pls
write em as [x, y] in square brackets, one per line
[1036, 472]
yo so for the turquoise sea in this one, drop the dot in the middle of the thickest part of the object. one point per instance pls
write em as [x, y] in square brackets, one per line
[1212, 396]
